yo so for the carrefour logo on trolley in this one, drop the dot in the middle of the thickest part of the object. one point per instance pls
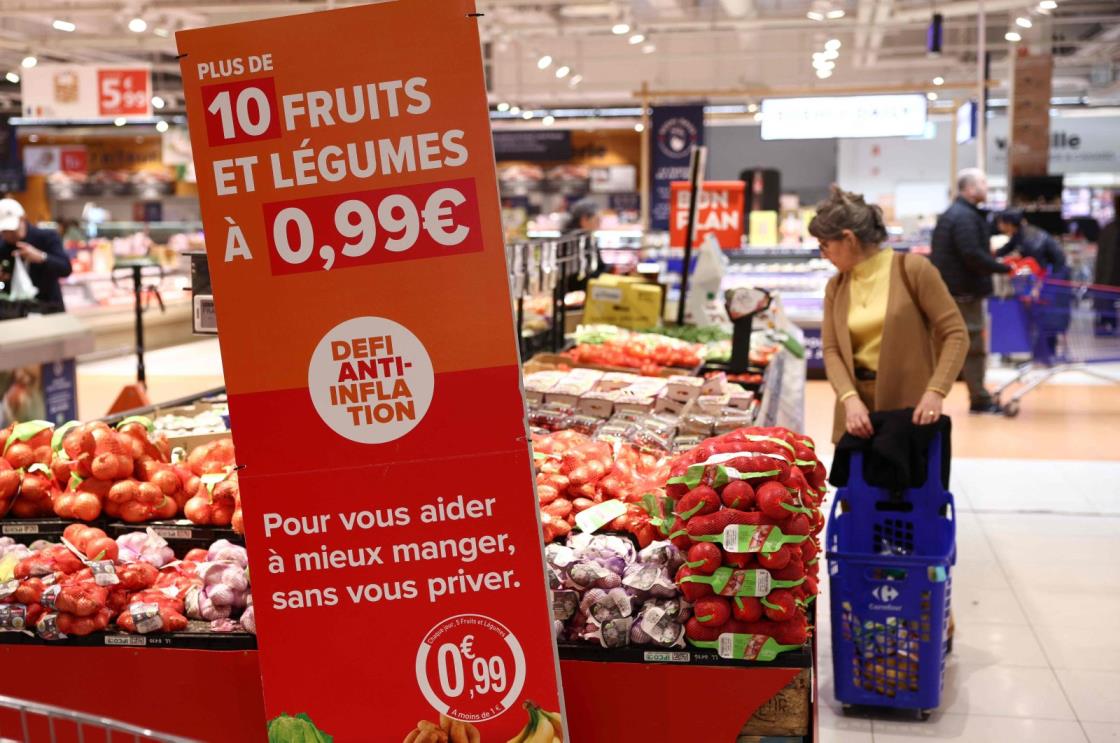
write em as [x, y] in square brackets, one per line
[371, 380]
[885, 594]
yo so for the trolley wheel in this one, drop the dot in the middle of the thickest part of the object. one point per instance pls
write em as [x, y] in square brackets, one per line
[846, 709]
[923, 714]
[1011, 409]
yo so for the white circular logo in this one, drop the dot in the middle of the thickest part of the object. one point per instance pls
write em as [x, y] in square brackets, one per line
[371, 380]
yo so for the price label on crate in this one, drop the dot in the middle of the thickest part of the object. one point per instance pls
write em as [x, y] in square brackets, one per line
[470, 667]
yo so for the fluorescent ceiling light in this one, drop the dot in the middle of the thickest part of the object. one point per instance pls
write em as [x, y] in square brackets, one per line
[1013, 36]
[752, 108]
[163, 33]
[515, 110]
[1023, 22]
[619, 29]
[822, 74]
[1047, 5]
[832, 44]
[639, 127]
[158, 102]
[548, 120]
[12, 77]
[544, 62]
[931, 96]
[814, 15]
[637, 38]
[562, 71]
[527, 115]
[60, 25]
[137, 25]
[939, 80]
[576, 80]
[830, 54]
[161, 126]
[28, 62]
[833, 15]
[503, 106]
[120, 121]
[649, 48]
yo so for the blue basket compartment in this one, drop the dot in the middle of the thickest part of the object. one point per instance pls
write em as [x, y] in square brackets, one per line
[890, 559]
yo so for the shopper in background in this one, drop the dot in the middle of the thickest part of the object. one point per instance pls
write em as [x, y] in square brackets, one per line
[892, 335]
[1030, 242]
[961, 250]
[40, 250]
[584, 217]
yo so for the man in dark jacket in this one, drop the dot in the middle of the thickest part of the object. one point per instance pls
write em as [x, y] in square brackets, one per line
[41, 251]
[961, 251]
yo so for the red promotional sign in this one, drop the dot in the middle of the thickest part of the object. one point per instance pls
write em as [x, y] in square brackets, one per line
[348, 192]
[719, 212]
[123, 92]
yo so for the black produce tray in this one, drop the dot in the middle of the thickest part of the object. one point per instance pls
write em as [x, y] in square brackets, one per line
[197, 636]
[690, 656]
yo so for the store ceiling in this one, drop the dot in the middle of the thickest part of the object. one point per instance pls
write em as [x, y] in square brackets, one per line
[688, 45]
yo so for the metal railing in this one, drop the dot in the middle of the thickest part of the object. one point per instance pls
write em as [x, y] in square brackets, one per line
[88, 728]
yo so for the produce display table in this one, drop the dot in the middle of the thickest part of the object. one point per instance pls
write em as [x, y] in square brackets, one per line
[216, 696]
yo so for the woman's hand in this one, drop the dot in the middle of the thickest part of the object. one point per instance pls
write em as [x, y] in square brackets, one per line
[928, 409]
[858, 419]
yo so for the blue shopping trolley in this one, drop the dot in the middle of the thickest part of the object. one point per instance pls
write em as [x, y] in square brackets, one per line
[1058, 321]
[890, 556]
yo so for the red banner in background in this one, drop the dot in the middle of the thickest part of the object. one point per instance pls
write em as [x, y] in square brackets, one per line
[719, 212]
[346, 176]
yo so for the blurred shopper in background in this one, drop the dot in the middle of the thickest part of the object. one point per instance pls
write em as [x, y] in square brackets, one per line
[1029, 241]
[961, 250]
[40, 251]
[892, 334]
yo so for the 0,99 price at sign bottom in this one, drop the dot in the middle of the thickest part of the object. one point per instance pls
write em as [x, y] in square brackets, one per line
[428, 220]
[470, 668]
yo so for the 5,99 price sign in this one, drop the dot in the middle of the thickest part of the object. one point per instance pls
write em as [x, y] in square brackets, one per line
[382, 226]
[123, 92]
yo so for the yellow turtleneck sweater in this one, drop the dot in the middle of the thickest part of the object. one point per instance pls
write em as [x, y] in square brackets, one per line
[869, 286]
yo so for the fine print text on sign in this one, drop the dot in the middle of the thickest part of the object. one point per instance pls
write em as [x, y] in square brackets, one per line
[346, 176]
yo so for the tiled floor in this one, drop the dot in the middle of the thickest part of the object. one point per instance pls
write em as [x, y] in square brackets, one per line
[1036, 590]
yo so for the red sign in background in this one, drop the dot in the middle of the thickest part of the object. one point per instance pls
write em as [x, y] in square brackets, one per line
[122, 92]
[719, 212]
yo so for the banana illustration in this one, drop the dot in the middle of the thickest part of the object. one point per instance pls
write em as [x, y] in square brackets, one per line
[557, 723]
[543, 727]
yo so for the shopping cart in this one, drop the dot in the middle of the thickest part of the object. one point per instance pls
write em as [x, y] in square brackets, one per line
[22, 721]
[1058, 320]
[890, 556]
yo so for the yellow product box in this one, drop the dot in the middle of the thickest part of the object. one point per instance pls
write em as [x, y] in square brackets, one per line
[629, 304]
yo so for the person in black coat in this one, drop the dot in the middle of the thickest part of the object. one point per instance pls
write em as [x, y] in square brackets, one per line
[961, 250]
[41, 251]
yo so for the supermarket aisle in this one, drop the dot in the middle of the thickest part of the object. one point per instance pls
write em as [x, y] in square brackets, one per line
[172, 372]
[1038, 572]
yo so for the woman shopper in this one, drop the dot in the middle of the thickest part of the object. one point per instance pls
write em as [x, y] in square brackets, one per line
[892, 335]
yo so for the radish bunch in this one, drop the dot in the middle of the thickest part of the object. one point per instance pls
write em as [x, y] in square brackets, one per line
[745, 506]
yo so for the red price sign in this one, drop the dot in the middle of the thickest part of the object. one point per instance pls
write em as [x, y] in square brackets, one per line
[470, 668]
[241, 111]
[123, 92]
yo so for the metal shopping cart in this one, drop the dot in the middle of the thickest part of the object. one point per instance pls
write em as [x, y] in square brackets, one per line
[1058, 321]
[22, 721]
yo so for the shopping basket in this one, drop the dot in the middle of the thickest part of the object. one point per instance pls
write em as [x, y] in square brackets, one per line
[890, 557]
[1059, 322]
[31, 722]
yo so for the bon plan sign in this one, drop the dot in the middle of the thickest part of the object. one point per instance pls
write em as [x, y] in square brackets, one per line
[346, 176]
[719, 212]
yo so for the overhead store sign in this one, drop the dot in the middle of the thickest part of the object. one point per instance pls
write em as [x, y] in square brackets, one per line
[843, 117]
[355, 247]
[719, 212]
[72, 92]
[548, 145]
[675, 131]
